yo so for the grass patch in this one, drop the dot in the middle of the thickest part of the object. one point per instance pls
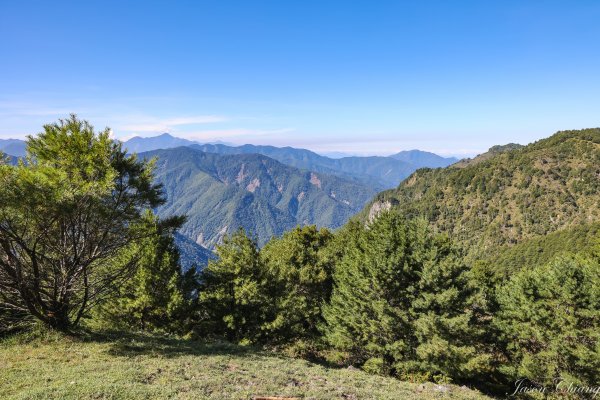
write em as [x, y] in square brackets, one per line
[117, 366]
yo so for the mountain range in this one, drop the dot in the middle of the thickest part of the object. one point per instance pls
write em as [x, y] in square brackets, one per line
[511, 202]
[220, 193]
[509, 195]
[13, 147]
[264, 189]
[379, 172]
[138, 144]
[424, 159]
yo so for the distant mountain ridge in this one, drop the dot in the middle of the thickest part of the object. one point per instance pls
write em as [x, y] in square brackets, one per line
[377, 171]
[263, 189]
[13, 147]
[138, 144]
[493, 151]
[220, 193]
[424, 159]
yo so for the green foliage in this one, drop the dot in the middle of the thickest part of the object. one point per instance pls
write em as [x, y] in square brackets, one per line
[403, 299]
[550, 319]
[233, 297]
[537, 251]
[508, 195]
[368, 312]
[375, 365]
[65, 216]
[299, 278]
[158, 296]
[447, 328]
[270, 296]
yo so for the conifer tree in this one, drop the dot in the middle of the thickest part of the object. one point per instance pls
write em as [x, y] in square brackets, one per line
[446, 325]
[158, 295]
[65, 217]
[550, 318]
[375, 284]
[299, 282]
[401, 302]
[233, 301]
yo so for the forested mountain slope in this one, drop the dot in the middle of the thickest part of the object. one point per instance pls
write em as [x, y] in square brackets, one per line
[191, 254]
[220, 193]
[581, 239]
[507, 195]
[12, 160]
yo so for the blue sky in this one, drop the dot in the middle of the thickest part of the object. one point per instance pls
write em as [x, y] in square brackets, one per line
[363, 77]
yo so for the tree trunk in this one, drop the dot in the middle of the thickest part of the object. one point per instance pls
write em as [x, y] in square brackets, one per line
[59, 318]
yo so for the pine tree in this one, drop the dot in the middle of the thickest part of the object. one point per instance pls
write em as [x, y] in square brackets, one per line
[299, 282]
[550, 318]
[375, 283]
[446, 326]
[233, 301]
[65, 217]
[158, 295]
[402, 302]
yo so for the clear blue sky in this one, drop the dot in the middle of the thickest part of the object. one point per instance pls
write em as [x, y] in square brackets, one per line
[367, 77]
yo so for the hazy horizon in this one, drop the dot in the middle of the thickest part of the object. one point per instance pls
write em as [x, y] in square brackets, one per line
[332, 154]
[450, 78]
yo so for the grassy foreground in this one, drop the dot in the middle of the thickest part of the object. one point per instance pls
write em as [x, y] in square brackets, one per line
[150, 367]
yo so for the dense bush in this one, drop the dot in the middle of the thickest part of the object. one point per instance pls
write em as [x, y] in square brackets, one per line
[158, 295]
[403, 303]
[234, 299]
[273, 295]
[299, 283]
[549, 316]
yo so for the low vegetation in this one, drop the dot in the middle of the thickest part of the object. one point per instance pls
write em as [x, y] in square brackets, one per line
[149, 366]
